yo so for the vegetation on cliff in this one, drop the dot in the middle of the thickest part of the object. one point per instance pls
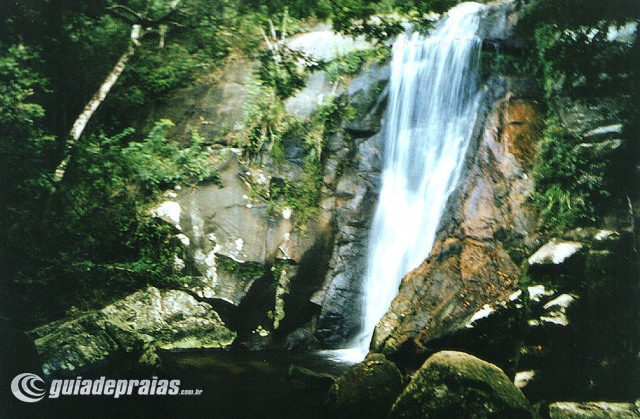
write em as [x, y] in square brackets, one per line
[86, 238]
[82, 235]
[585, 55]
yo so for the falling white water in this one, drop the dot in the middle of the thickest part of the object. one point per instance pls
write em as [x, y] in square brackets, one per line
[433, 102]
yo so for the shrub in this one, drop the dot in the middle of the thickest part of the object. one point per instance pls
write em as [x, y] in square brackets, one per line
[158, 163]
[568, 185]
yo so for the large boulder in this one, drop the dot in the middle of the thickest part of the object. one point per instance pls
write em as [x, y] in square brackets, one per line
[366, 390]
[129, 330]
[458, 385]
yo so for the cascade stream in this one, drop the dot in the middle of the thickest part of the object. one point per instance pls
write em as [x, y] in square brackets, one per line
[434, 98]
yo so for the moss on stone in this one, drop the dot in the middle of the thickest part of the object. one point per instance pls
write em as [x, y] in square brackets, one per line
[366, 390]
[242, 269]
[454, 384]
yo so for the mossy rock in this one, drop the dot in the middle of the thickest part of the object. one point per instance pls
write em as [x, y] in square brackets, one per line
[366, 390]
[458, 385]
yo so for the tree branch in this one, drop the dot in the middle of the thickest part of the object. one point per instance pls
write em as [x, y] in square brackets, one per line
[138, 22]
[125, 14]
[134, 18]
[96, 100]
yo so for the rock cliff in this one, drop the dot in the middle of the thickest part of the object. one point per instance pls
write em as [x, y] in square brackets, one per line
[484, 237]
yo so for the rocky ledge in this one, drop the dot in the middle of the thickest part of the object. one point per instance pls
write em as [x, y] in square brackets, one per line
[131, 329]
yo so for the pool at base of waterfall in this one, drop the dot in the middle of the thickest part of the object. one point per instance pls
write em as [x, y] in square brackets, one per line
[212, 384]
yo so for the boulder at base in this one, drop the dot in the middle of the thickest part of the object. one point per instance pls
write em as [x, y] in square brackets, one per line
[458, 385]
[129, 331]
[366, 390]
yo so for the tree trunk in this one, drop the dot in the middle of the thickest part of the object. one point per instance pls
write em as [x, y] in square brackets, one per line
[96, 100]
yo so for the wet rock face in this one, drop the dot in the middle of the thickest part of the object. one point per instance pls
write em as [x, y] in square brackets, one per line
[245, 261]
[367, 94]
[353, 198]
[223, 222]
[340, 296]
[488, 231]
[354, 204]
[259, 262]
[234, 246]
[454, 384]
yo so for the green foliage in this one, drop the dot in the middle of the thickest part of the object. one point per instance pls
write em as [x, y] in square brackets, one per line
[156, 72]
[351, 63]
[158, 162]
[23, 153]
[19, 82]
[383, 20]
[569, 186]
[576, 58]
[571, 14]
[325, 122]
[266, 121]
[579, 61]
[282, 68]
[296, 8]
[245, 270]
[23, 143]
[303, 196]
[114, 185]
[362, 17]
[575, 54]
[78, 51]
[283, 71]
[278, 272]
[523, 64]
[267, 126]
[94, 239]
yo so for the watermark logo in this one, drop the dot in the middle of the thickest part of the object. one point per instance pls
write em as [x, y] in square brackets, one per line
[28, 388]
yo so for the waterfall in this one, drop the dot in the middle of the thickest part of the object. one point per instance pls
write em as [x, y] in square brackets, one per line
[434, 97]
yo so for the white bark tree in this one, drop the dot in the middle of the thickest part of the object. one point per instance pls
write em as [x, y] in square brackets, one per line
[140, 25]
